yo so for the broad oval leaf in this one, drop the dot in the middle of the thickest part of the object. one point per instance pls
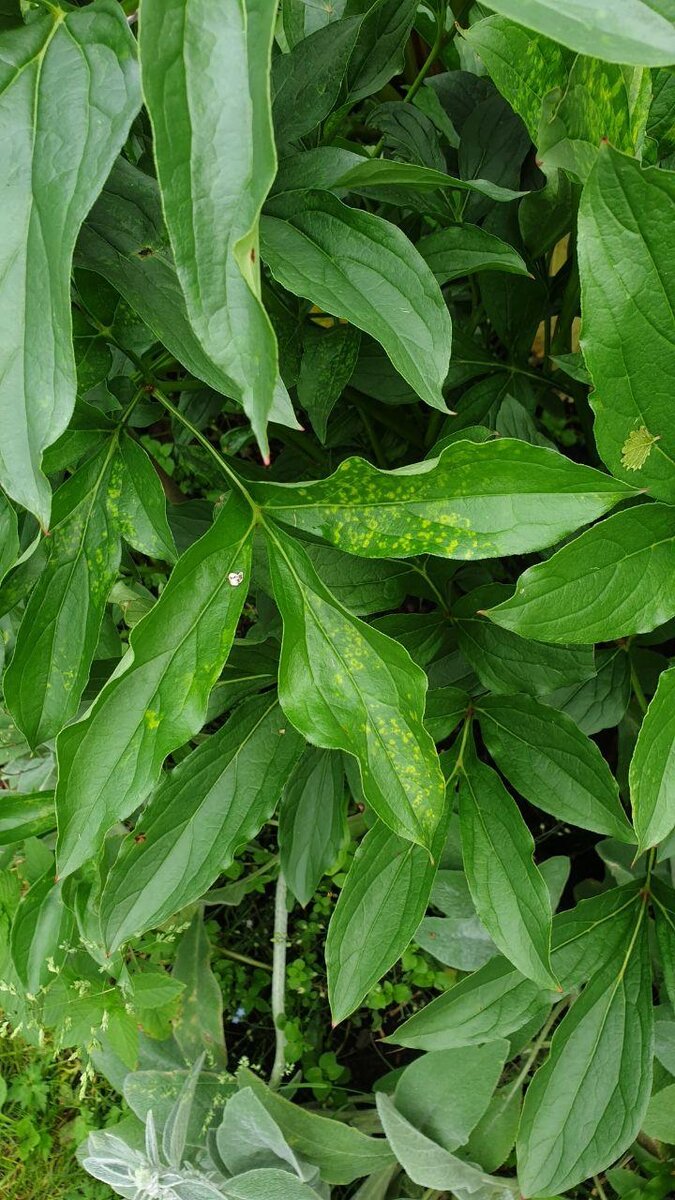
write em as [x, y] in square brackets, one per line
[473, 501]
[614, 580]
[466, 250]
[628, 303]
[585, 1105]
[383, 899]
[157, 697]
[444, 1094]
[555, 766]
[201, 813]
[215, 155]
[58, 157]
[643, 36]
[510, 894]
[346, 686]
[652, 767]
[357, 266]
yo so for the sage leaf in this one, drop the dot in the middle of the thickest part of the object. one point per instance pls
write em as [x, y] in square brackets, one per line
[44, 207]
[444, 1094]
[346, 686]
[652, 767]
[157, 697]
[213, 140]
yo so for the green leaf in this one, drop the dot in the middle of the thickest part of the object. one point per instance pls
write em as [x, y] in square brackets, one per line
[383, 899]
[628, 298]
[644, 36]
[659, 1119]
[60, 628]
[664, 921]
[345, 686]
[213, 141]
[60, 157]
[601, 701]
[444, 710]
[341, 1153]
[652, 767]
[153, 989]
[453, 506]
[306, 82]
[385, 173]
[157, 697]
[467, 249]
[200, 1024]
[586, 1104]
[249, 1137]
[203, 810]
[9, 536]
[615, 580]
[444, 1094]
[143, 520]
[457, 939]
[506, 663]
[312, 821]
[494, 1136]
[429, 1164]
[328, 361]
[25, 814]
[41, 929]
[510, 895]
[547, 758]
[497, 1000]
[340, 258]
[379, 51]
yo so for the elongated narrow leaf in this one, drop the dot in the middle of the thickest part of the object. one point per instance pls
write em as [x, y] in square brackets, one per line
[360, 267]
[9, 538]
[585, 1105]
[312, 821]
[510, 895]
[615, 580]
[341, 1153]
[157, 698]
[25, 814]
[346, 686]
[628, 303]
[306, 82]
[381, 904]
[199, 1027]
[60, 628]
[474, 501]
[380, 48]
[664, 923]
[205, 80]
[209, 805]
[40, 932]
[57, 159]
[466, 250]
[652, 768]
[143, 521]
[384, 173]
[497, 1000]
[644, 36]
[553, 764]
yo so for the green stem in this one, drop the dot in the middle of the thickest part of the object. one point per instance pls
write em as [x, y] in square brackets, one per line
[279, 979]
[244, 958]
[368, 426]
[431, 57]
[637, 689]
[539, 1042]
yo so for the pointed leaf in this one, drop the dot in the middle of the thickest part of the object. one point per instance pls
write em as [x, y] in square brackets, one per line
[615, 580]
[547, 758]
[628, 298]
[312, 821]
[346, 686]
[360, 267]
[585, 1106]
[158, 695]
[44, 206]
[466, 250]
[9, 537]
[510, 895]
[214, 149]
[473, 501]
[203, 810]
[199, 1027]
[143, 520]
[644, 35]
[444, 1094]
[24, 815]
[40, 931]
[652, 768]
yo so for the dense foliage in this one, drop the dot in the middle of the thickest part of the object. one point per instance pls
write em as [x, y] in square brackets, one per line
[337, 589]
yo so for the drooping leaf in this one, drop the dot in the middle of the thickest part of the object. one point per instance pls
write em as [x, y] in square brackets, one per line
[340, 258]
[585, 1105]
[615, 580]
[628, 297]
[510, 895]
[341, 1153]
[200, 814]
[547, 758]
[466, 250]
[380, 907]
[157, 698]
[346, 686]
[452, 506]
[644, 36]
[652, 768]
[213, 141]
[44, 207]
[377, 176]
[199, 1027]
[312, 821]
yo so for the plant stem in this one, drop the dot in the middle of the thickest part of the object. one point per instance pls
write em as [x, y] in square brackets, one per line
[531, 1058]
[244, 958]
[432, 55]
[279, 979]
[637, 689]
[599, 1188]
